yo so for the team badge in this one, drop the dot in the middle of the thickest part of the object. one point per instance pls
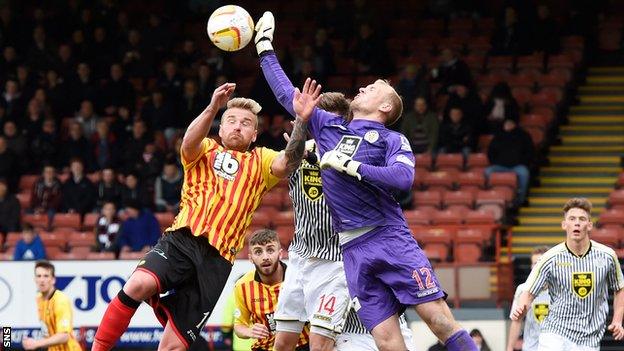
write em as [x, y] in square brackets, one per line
[582, 283]
[540, 311]
[311, 181]
[348, 145]
[371, 136]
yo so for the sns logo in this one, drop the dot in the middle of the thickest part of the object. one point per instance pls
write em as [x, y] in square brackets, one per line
[87, 289]
[225, 166]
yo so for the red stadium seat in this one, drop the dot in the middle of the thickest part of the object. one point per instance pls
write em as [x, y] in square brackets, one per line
[100, 256]
[522, 94]
[285, 234]
[484, 142]
[54, 239]
[263, 216]
[165, 219]
[418, 216]
[451, 162]
[612, 217]
[507, 179]
[448, 217]
[616, 198]
[428, 198]
[90, 221]
[36, 220]
[471, 181]
[477, 160]
[551, 80]
[82, 239]
[24, 199]
[130, 255]
[27, 182]
[66, 220]
[436, 242]
[535, 61]
[11, 239]
[274, 198]
[424, 161]
[606, 236]
[480, 217]
[537, 135]
[459, 199]
[284, 218]
[468, 247]
[440, 180]
[534, 120]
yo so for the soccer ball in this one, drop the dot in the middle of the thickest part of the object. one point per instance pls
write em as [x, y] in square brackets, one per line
[230, 27]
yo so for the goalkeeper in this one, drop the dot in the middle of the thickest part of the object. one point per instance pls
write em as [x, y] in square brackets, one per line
[363, 164]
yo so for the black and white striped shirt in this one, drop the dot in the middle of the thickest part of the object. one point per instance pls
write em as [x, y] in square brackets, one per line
[578, 288]
[314, 236]
[354, 325]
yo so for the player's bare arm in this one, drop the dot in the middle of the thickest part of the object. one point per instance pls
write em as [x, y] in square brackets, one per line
[618, 313]
[256, 331]
[56, 339]
[523, 303]
[304, 103]
[199, 128]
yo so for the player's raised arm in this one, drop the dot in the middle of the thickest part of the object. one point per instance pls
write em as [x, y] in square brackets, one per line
[199, 128]
[304, 103]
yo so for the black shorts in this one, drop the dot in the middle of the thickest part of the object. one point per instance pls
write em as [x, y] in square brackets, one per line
[192, 274]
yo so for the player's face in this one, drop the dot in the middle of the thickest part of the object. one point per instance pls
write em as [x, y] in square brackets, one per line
[44, 280]
[371, 98]
[238, 129]
[265, 257]
[577, 224]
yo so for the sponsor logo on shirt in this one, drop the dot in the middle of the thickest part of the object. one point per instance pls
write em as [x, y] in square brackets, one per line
[582, 283]
[311, 181]
[348, 145]
[225, 165]
[540, 311]
[371, 136]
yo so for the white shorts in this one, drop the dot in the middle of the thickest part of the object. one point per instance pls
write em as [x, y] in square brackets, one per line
[365, 342]
[554, 342]
[313, 290]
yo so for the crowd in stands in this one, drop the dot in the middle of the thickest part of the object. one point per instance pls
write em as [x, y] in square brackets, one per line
[96, 96]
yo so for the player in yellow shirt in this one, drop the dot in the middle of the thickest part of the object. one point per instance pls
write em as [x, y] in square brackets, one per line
[55, 314]
[257, 291]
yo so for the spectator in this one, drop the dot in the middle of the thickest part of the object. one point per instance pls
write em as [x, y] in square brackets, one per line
[8, 63]
[511, 150]
[273, 136]
[9, 210]
[108, 189]
[509, 37]
[190, 105]
[17, 143]
[82, 88]
[44, 147]
[140, 231]
[170, 81]
[65, 64]
[12, 100]
[107, 228]
[78, 191]
[151, 164]
[87, 118]
[468, 100]
[40, 54]
[136, 57]
[412, 84]
[56, 92]
[500, 106]
[104, 146]
[26, 82]
[34, 119]
[47, 193]
[477, 337]
[134, 147]
[133, 190]
[157, 36]
[323, 55]
[122, 126]
[104, 49]
[159, 114]
[9, 165]
[117, 91]
[545, 31]
[167, 188]
[421, 127]
[29, 247]
[455, 134]
[452, 71]
[369, 52]
[189, 56]
[205, 81]
[76, 146]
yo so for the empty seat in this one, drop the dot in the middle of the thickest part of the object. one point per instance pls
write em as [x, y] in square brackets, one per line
[285, 234]
[81, 239]
[423, 161]
[66, 220]
[130, 255]
[448, 217]
[480, 216]
[274, 198]
[27, 182]
[428, 198]
[436, 242]
[54, 239]
[484, 141]
[37, 220]
[505, 179]
[90, 220]
[263, 216]
[612, 217]
[283, 218]
[471, 180]
[616, 198]
[440, 180]
[70, 256]
[458, 199]
[11, 239]
[468, 247]
[449, 162]
[418, 216]
[477, 160]
[534, 120]
[24, 199]
[606, 236]
[100, 256]
[537, 135]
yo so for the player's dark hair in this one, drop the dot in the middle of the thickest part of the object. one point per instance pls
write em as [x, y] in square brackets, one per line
[46, 265]
[263, 237]
[578, 202]
[335, 102]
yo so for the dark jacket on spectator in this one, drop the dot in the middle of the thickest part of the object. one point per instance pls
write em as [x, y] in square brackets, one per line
[78, 196]
[108, 193]
[511, 148]
[46, 197]
[9, 214]
[454, 137]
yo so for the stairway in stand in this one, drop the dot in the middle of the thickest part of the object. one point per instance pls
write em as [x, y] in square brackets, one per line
[586, 164]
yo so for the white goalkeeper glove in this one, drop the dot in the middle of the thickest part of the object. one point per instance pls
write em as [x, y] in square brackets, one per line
[341, 162]
[264, 32]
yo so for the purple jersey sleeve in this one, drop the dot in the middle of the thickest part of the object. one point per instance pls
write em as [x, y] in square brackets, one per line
[398, 173]
[284, 91]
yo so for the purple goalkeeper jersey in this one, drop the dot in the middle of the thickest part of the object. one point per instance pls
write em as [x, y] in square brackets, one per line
[386, 157]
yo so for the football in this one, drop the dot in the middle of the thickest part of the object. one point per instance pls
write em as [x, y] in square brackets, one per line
[230, 27]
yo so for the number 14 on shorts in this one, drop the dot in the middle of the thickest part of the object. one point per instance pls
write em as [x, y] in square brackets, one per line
[327, 304]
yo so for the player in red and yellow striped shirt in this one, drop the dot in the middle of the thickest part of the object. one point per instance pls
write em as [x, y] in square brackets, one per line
[223, 185]
[55, 314]
[257, 291]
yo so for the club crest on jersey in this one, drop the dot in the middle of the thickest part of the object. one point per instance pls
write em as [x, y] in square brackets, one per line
[371, 136]
[582, 283]
[311, 181]
[540, 311]
[225, 165]
[348, 145]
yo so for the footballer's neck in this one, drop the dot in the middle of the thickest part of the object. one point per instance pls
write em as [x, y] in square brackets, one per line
[370, 117]
[579, 247]
[274, 278]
